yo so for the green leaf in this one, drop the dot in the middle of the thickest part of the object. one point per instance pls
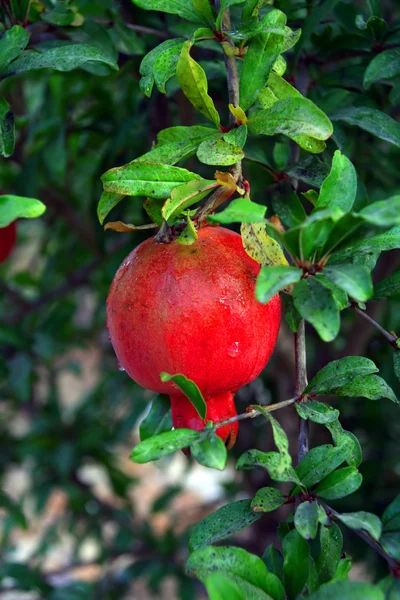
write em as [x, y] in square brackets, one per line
[219, 152]
[271, 461]
[331, 544]
[274, 561]
[353, 279]
[340, 187]
[341, 437]
[272, 280]
[280, 439]
[339, 484]
[306, 520]
[338, 373]
[308, 239]
[317, 411]
[182, 8]
[396, 364]
[165, 64]
[391, 515]
[240, 211]
[210, 451]
[372, 120]
[7, 129]
[384, 213]
[61, 58]
[106, 203]
[262, 52]
[14, 511]
[158, 420]
[235, 561]
[296, 564]
[348, 590]
[288, 208]
[363, 520]
[169, 49]
[146, 179]
[172, 152]
[191, 391]
[389, 240]
[390, 286]
[165, 443]
[267, 499]
[223, 587]
[293, 319]
[311, 170]
[12, 42]
[320, 462]
[193, 82]
[292, 116]
[237, 136]
[184, 196]
[384, 65]
[15, 207]
[316, 304]
[366, 386]
[222, 523]
[391, 543]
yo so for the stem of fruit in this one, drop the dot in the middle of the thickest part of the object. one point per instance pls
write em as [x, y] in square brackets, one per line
[301, 383]
[392, 339]
[392, 562]
[253, 412]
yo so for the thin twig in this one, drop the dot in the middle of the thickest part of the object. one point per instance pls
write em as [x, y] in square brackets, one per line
[163, 35]
[301, 382]
[392, 562]
[251, 414]
[389, 336]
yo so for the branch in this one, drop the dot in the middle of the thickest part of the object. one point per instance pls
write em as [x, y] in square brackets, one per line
[301, 382]
[392, 562]
[252, 413]
[392, 339]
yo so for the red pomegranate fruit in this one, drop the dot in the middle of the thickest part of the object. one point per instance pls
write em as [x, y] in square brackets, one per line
[192, 310]
[7, 240]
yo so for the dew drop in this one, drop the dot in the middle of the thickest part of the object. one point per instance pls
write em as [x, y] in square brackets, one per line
[233, 350]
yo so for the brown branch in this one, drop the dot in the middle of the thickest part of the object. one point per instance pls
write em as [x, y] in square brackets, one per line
[389, 336]
[251, 414]
[301, 382]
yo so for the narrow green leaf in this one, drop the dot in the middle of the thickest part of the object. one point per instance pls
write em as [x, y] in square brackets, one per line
[185, 196]
[193, 82]
[106, 203]
[271, 461]
[340, 483]
[61, 58]
[272, 280]
[311, 170]
[385, 65]
[165, 64]
[389, 240]
[317, 412]
[280, 439]
[191, 391]
[146, 179]
[384, 213]
[222, 523]
[12, 42]
[182, 8]
[240, 211]
[319, 462]
[367, 386]
[267, 499]
[390, 286]
[363, 520]
[16, 207]
[165, 443]
[391, 515]
[353, 279]
[316, 304]
[274, 561]
[292, 116]
[341, 437]
[7, 129]
[237, 136]
[169, 48]
[219, 152]
[296, 564]
[306, 520]
[210, 451]
[331, 544]
[158, 420]
[391, 543]
[221, 586]
[338, 373]
[372, 120]
[340, 187]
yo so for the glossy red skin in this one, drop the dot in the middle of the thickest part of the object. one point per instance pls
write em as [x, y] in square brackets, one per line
[192, 310]
[7, 240]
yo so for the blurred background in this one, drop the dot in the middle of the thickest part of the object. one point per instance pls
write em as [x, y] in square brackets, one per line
[77, 518]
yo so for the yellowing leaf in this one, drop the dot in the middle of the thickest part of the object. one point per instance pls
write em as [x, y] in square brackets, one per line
[238, 113]
[226, 179]
[184, 196]
[260, 246]
[193, 82]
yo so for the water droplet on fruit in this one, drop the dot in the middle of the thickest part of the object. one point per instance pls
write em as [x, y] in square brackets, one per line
[118, 274]
[233, 350]
[120, 367]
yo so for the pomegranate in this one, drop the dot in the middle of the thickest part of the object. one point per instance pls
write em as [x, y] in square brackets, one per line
[192, 310]
[7, 240]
